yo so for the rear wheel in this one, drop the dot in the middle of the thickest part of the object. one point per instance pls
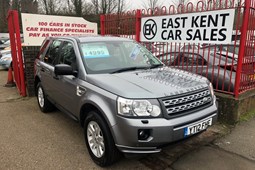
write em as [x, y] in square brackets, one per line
[44, 104]
[99, 140]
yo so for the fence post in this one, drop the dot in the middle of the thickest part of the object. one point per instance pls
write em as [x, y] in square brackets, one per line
[17, 59]
[138, 25]
[102, 24]
[242, 46]
[20, 58]
[13, 52]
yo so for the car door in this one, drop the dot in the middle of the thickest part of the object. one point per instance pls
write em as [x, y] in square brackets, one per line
[46, 67]
[65, 86]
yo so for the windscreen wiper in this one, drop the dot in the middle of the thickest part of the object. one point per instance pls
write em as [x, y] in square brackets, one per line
[156, 66]
[127, 69]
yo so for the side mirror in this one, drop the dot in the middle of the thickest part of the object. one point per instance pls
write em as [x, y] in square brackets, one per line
[64, 69]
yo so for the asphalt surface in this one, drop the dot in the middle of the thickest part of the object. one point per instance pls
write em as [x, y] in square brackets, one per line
[30, 139]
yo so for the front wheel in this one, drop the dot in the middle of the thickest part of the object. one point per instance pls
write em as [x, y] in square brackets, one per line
[99, 140]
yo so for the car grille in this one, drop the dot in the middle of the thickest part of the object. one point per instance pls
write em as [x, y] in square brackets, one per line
[191, 102]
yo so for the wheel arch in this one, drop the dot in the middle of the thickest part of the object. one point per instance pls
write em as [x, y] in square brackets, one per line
[90, 106]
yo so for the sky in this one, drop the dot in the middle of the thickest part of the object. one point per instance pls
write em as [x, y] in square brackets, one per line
[134, 4]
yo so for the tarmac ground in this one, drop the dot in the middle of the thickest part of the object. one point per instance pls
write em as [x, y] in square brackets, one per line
[30, 139]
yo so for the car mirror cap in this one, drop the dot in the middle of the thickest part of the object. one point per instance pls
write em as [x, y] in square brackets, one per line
[64, 69]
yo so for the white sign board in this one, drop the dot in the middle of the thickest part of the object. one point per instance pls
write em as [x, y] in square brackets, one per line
[202, 27]
[37, 27]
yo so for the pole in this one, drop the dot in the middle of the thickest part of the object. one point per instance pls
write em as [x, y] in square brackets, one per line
[138, 25]
[242, 46]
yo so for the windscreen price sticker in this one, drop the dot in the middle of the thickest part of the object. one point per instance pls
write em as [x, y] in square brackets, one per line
[95, 51]
[204, 27]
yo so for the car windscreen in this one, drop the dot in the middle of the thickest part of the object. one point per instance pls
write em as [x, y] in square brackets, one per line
[110, 56]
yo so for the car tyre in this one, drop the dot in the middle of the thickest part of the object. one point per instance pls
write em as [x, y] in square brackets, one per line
[99, 140]
[44, 104]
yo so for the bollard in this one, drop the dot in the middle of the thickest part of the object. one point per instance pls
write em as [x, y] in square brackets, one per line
[10, 82]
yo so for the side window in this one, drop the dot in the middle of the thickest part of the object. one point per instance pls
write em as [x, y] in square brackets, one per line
[201, 60]
[52, 52]
[67, 55]
[194, 59]
[170, 58]
[45, 44]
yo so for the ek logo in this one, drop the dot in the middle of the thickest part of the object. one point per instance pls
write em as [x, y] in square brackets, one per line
[149, 29]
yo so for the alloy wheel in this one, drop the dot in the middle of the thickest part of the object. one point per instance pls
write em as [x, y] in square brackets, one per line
[40, 97]
[95, 139]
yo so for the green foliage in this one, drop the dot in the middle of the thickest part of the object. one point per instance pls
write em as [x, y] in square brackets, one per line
[4, 6]
[247, 116]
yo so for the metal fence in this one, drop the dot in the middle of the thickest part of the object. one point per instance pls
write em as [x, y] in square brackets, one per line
[230, 67]
[16, 51]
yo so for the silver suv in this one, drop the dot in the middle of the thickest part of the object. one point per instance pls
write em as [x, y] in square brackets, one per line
[126, 100]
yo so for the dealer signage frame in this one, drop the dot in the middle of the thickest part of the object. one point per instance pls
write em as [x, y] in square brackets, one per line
[200, 27]
[36, 27]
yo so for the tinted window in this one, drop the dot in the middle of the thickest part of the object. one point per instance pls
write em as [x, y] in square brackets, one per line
[52, 52]
[169, 58]
[193, 59]
[67, 55]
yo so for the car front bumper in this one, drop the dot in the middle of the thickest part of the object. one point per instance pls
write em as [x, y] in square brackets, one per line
[161, 131]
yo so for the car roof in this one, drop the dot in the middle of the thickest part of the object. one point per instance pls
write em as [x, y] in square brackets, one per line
[92, 38]
[216, 45]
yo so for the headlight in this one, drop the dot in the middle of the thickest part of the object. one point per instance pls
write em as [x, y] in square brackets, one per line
[127, 107]
[211, 89]
[212, 92]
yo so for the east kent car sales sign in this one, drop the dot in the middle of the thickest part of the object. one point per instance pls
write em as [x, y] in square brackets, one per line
[203, 27]
[37, 27]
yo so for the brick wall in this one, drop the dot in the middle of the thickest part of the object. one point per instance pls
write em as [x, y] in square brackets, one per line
[30, 53]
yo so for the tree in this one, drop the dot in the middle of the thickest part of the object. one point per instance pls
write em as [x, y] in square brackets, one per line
[152, 4]
[178, 2]
[210, 4]
[77, 7]
[50, 7]
[25, 6]
[121, 6]
[95, 5]
[108, 6]
[29, 6]
[16, 5]
[4, 7]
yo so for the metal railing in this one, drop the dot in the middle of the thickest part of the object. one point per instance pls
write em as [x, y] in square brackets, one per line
[230, 67]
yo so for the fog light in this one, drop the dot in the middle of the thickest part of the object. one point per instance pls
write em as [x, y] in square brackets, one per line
[143, 134]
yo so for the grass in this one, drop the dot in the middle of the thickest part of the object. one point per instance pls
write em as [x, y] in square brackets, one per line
[247, 116]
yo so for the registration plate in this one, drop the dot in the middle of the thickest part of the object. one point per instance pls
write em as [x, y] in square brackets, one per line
[197, 127]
